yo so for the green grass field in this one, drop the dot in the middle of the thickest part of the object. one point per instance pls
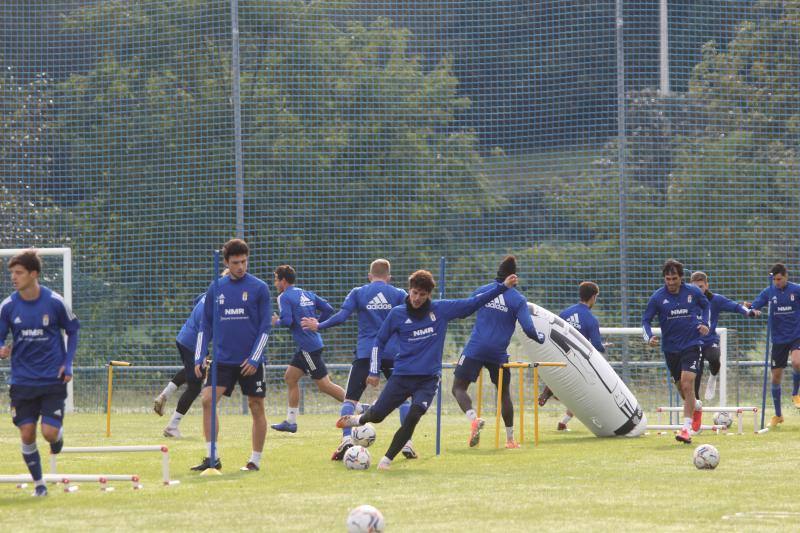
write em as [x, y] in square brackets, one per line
[571, 482]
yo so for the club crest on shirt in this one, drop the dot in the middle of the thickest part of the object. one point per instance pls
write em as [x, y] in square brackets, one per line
[45, 320]
[791, 297]
[433, 317]
[244, 296]
[689, 299]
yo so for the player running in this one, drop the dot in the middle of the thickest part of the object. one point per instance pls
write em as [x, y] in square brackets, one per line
[41, 364]
[420, 326]
[372, 302]
[488, 347]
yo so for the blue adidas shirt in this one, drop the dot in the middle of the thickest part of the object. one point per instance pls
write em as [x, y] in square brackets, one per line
[720, 304]
[187, 336]
[784, 311]
[678, 316]
[245, 321]
[295, 304]
[38, 350]
[495, 323]
[372, 302]
[421, 340]
[580, 317]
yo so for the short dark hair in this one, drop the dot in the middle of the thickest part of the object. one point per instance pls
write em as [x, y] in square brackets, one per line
[421, 279]
[29, 260]
[672, 266]
[587, 289]
[507, 267]
[235, 247]
[287, 273]
[779, 268]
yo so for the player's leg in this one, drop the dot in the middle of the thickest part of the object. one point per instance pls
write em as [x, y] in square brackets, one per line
[177, 380]
[254, 387]
[423, 389]
[795, 356]
[711, 353]
[673, 361]
[408, 451]
[562, 425]
[780, 357]
[193, 387]
[394, 393]
[319, 373]
[466, 372]
[297, 368]
[356, 384]
[25, 408]
[699, 374]
[52, 411]
[226, 379]
[692, 407]
[506, 405]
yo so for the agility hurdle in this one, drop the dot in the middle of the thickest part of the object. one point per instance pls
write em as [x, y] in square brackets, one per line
[739, 410]
[22, 480]
[663, 429]
[119, 449]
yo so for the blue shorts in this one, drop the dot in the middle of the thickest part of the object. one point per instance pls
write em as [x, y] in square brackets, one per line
[468, 370]
[28, 403]
[687, 360]
[229, 375]
[310, 362]
[780, 353]
[421, 390]
[187, 358]
[359, 372]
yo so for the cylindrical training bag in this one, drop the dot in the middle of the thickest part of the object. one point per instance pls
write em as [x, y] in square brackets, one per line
[588, 385]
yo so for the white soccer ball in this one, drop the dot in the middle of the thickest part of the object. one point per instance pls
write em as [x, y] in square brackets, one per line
[706, 457]
[363, 435]
[723, 418]
[357, 458]
[365, 519]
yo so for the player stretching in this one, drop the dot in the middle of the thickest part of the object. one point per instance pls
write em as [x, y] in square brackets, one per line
[487, 347]
[710, 346]
[243, 328]
[420, 326]
[41, 366]
[580, 317]
[785, 326]
[683, 315]
[372, 302]
[295, 304]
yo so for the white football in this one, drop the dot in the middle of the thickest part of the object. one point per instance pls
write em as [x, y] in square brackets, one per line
[363, 435]
[365, 519]
[706, 457]
[723, 418]
[357, 458]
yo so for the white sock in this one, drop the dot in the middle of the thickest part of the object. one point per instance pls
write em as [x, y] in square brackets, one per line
[60, 434]
[471, 414]
[361, 408]
[169, 389]
[291, 414]
[566, 419]
[698, 405]
[385, 460]
[208, 451]
[687, 423]
[175, 420]
[509, 433]
[255, 458]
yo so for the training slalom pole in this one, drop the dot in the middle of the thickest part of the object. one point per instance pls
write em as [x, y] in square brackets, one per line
[439, 392]
[214, 336]
[110, 393]
[766, 356]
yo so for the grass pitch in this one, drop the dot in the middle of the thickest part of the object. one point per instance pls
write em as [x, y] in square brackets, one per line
[571, 482]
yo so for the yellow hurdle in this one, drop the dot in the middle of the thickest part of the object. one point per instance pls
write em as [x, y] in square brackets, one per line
[111, 365]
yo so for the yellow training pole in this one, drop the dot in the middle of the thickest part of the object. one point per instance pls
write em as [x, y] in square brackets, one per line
[111, 365]
[499, 406]
[480, 391]
[521, 405]
[535, 405]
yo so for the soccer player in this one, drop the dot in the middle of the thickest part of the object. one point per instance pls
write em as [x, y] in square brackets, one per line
[243, 328]
[683, 315]
[420, 326]
[295, 304]
[785, 325]
[710, 348]
[488, 347]
[580, 317]
[372, 302]
[41, 364]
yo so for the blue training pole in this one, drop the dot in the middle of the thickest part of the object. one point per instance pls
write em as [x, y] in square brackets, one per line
[214, 336]
[439, 391]
[766, 357]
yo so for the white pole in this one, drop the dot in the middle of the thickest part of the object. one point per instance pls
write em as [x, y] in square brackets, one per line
[723, 366]
[663, 47]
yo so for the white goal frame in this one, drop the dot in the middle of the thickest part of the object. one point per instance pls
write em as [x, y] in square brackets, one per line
[66, 290]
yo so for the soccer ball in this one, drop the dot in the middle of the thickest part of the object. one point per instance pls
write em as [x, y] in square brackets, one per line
[365, 519]
[357, 458]
[706, 457]
[723, 418]
[364, 435]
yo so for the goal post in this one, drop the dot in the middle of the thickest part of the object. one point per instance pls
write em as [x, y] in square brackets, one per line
[66, 289]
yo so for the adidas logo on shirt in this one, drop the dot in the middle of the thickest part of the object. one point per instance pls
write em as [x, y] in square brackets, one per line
[408, 321]
[498, 303]
[379, 302]
[574, 321]
[665, 301]
[17, 320]
[305, 301]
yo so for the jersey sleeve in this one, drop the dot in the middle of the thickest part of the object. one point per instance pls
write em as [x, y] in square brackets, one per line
[464, 307]
[729, 306]
[325, 309]
[348, 306]
[285, 310]
[594, 336]
[761, 300]
[4, 323]
[69, 323]
[258, 351]
[649, 312]
[384, 334]
[705, 306]
[526, 322]
[206, 327]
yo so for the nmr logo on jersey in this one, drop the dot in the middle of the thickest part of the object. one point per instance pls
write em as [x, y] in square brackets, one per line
[236, 311]
[35, 332]
[423, 331]
[679, 312]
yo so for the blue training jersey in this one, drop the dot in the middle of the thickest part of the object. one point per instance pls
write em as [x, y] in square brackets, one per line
[295, 304]
[495, 323]
[245, 322]
[719, 304]
[785, 311]
[187, 336]
[38, 350]
[580, 317]
[421, 340]
[372, 302]
[678, 316]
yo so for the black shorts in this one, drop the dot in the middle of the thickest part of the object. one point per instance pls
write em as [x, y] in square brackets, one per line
[687, 360]
[229, 375]
[310, 362]
[359, 372]
[187, 357]
[468, 369]
[421, 390]
[780, 353]
[28, 403]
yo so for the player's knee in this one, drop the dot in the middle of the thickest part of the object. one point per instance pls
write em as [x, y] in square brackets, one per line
[194, 387]
[459, 386]
[50, 433]
[414, 414]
